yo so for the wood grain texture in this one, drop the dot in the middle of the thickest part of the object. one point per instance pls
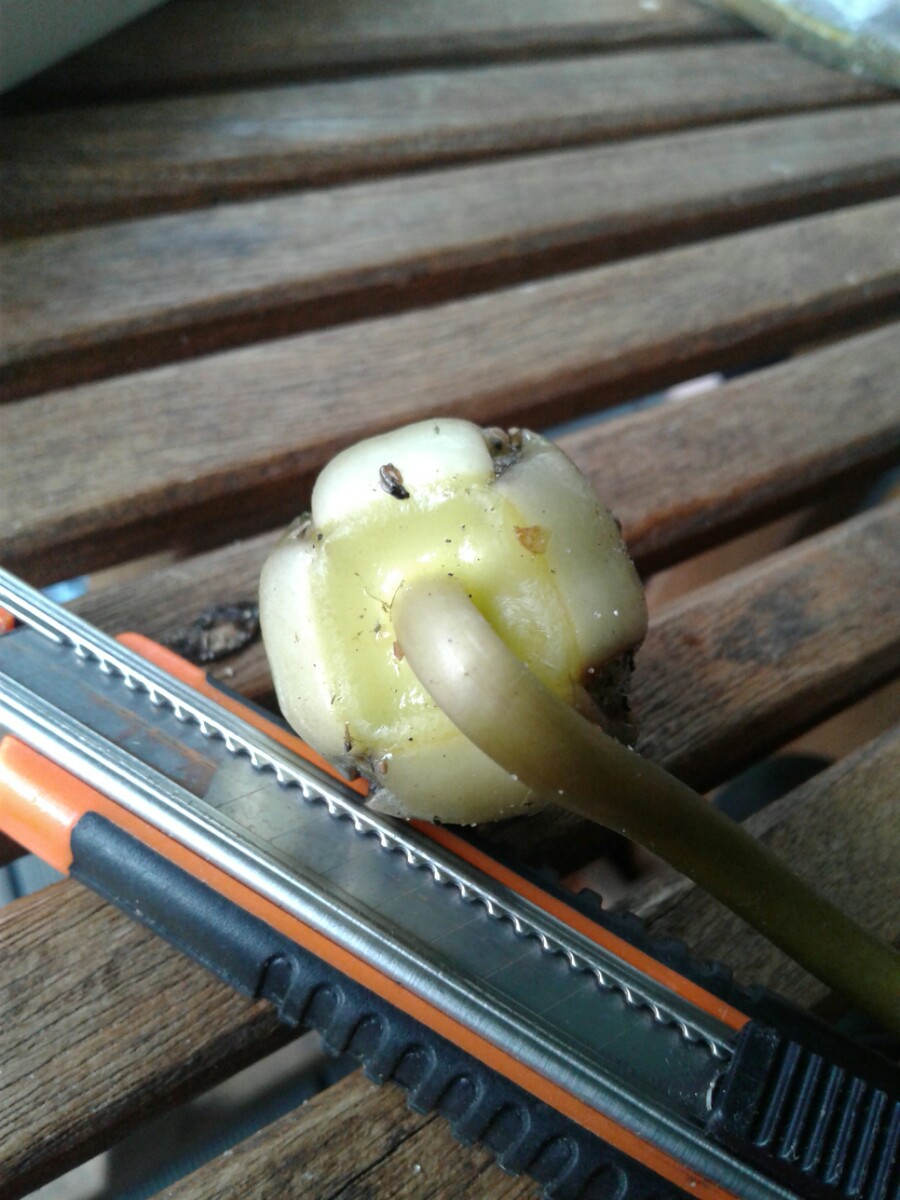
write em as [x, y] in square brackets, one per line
[395, 1153]
[812, 828]
[852, 806]
[721, 461]
[754, 448]
[787, 642]
[108, 161]
[182, 285]
[205, 43]
[102, 1024]
[93, 474]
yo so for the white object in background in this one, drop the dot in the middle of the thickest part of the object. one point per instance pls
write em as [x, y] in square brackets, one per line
[36, 33]
[859, 36]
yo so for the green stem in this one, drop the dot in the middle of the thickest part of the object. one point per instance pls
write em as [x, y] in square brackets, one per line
[496, 701]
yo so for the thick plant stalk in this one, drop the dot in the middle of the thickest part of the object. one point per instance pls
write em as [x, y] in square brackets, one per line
[499, 704]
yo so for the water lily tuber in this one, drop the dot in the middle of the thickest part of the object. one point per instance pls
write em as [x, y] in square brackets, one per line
[508, 519]
[456, 619]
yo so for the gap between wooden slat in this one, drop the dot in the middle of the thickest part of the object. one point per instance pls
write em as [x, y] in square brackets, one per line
[135, 1025]
[176, 287]
[98, 163]
[219, 43]
[222, 446]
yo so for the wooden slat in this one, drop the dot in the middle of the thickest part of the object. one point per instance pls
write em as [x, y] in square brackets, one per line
[720, 462]
[814, 824]
[132, 159]
[206, 43]
[179, 286]
[853, 805]
[754, 448]
[239, 432]
[784, 644]
[113, 1040]
[102, 1023]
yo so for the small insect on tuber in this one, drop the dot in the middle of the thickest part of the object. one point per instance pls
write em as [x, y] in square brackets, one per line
[456, 620]
[512, 523]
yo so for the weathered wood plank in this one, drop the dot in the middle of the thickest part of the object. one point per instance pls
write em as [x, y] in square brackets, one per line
[206, 43]
[784, 644]
[750, 450]
[809, 828]
[102, 1024]
[853, 805]
[720, 462]
[108, 161]
[178, 286]
[396, 1153]
[232, 439]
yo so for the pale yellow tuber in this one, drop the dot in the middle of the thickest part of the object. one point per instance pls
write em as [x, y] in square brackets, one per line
[455, 620]
[511, 520]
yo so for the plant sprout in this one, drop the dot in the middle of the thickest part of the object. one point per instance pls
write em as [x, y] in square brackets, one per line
[456, 620]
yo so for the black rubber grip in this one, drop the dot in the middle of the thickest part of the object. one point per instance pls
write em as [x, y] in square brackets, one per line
[873, 1062]
[818, 1127]
[525, 1134]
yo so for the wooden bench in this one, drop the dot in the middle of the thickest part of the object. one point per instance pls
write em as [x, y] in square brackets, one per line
[241, 236]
